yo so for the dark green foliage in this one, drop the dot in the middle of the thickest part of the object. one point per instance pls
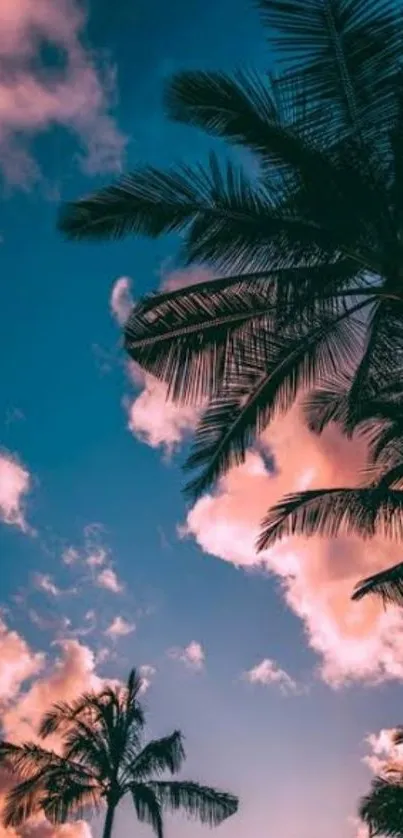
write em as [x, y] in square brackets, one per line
[308, 250]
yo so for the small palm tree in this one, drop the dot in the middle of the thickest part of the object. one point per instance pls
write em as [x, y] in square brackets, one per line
[382, 808]
[103, 759]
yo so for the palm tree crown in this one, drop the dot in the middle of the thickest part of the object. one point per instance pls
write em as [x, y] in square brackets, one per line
[104, 758]
[382, 808]
[309, 249]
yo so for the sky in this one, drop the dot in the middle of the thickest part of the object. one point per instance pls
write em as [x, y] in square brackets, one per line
[284, 689]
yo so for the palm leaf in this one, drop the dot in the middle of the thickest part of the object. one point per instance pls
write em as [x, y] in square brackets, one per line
[382, 809]
[345, 50]
[275, 377]
[158, 756]
[147, 807]
[388, 585]
[208, 805]
[330, 512]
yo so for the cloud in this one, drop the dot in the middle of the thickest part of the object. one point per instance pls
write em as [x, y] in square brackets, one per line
[152, 417]
[15, 483]
[121, 301]
[192, 655]
[70, 556]
[147, 673]
[77, 94]
[44, 582]
[70, 674]
[382, 750]
[156, 420]
[267, 672]
[354, 641]
[18, 662]
[107, 579]
[119, 627]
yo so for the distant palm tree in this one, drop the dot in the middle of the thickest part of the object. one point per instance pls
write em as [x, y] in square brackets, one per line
[382, 808]
[104, 758]
[308, 243]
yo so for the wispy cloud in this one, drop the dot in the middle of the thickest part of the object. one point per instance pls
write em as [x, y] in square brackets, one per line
[192, 656]
[78, 95]
[119, 627]
[44, 582]
[15, 483]
[147, 673]
[269, 673]
[108, 579]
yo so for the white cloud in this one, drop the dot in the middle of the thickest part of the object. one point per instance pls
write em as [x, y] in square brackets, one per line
[107, 579]
[119, 627]
[121, 300]
[77, 96]
[192, 655]
[147, 673]
[15, 483]
[152, 417]
[267, 672]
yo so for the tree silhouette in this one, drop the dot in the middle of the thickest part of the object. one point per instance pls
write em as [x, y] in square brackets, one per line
[307, 248]
[103, 759]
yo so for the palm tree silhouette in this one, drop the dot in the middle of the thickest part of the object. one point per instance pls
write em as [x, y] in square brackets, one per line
[103, 759]
[382, 808]
[308, 246]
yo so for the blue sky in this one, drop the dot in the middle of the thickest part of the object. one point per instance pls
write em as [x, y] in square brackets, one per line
[294, 752]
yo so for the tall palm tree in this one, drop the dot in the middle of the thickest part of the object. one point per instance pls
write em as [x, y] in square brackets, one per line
[382, 808]
[103, 759]
[308, 249]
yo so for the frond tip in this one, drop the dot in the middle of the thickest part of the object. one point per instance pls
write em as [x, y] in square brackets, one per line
[388, 585]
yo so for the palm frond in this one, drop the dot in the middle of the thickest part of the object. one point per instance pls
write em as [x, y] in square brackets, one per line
[346, 51]
[147, 807]
[158, 756]
[388, 585]
[267, 382]
[205, 804]
[331, 512]
[382, 808]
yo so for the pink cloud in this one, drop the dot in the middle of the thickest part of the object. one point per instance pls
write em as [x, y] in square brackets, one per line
[107, 579]
[355, 642]
[18, 662]
[267, 672]
[152, 416]
[70, 674]
[192, 655]
[77, 96]
[120, 627]
[15, 483]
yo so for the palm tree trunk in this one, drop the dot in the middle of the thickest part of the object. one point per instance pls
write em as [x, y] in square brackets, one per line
[110, 813]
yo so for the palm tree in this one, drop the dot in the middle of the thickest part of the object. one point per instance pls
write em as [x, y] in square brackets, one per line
[382, 808]
[308, 250]
[104, 758]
